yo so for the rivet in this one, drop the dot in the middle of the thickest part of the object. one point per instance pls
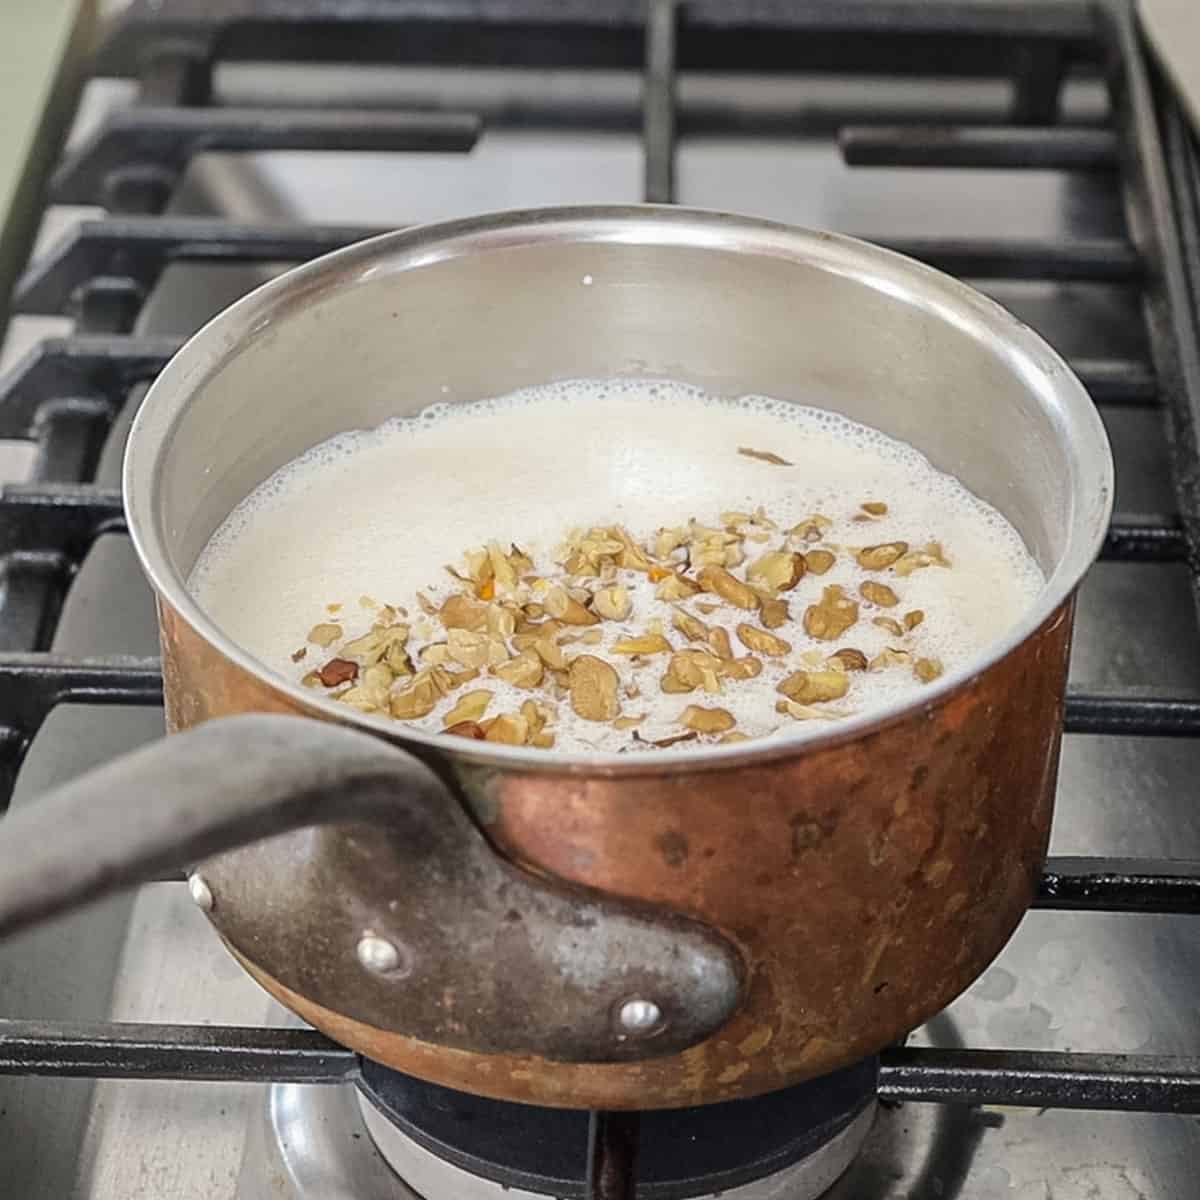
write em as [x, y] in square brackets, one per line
[200, 892]
[378, 954]
[639, 1016]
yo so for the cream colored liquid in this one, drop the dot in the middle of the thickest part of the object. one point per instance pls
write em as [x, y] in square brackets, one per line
[379, 513]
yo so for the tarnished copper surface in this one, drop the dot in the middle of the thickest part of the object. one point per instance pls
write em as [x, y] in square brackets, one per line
[866, 883]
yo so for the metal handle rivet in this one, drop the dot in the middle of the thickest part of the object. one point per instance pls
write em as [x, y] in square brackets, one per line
[378, 954]
[200, 892]
[639, 1016]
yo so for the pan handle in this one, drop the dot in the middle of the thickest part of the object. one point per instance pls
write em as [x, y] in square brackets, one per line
[224, 784]
[426, 932]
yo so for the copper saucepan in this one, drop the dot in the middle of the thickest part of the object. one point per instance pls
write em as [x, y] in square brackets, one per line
[602, 932]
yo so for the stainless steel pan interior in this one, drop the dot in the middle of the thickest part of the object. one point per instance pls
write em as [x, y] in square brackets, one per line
[470, 309]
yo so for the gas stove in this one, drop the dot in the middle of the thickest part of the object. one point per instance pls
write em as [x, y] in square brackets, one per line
[1027, 147]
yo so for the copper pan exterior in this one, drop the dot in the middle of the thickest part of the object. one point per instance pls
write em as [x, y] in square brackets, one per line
[868, 873]
[866, 883]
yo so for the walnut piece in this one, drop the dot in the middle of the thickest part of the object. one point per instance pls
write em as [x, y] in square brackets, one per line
[707, 720]
[930, 555]
[764, 456]
[593, 685]
[462, 612]
[774, 613]
[780, 570]
[879, 558]
[324, 634]
[762, 642]
[747, 667]
[418, 700]
[878, 593]
[721, 583]
[691, 669]
[470, 707]
[467, 729]
[674, 586]
[829, 619]
[850, 659]
[819, 561]
[691, 627]
[510, 729]
[613, 603]
[927, 669]
[718, 642]
[814, 687]
[524, 671]
[338, 670]
[647, 643]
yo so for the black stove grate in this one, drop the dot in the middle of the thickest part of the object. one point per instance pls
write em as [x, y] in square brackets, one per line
[65, 395]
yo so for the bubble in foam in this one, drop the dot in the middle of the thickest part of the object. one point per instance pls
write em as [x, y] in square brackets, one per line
[379, 511]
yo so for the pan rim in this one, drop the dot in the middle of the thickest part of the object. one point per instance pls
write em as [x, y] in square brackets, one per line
[1040, 368]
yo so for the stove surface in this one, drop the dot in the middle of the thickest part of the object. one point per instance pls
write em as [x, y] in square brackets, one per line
[1066, 981]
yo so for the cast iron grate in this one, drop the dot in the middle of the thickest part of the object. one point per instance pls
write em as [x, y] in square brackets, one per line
[65, 395]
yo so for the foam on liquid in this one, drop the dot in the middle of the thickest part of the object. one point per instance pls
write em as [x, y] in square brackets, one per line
[379, 512]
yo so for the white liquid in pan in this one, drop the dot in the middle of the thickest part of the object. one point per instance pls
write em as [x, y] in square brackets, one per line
[380, 512]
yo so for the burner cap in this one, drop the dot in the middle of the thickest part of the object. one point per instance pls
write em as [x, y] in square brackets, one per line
[684, 1152]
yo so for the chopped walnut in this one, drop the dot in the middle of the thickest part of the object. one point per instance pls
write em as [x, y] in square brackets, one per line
[707, 720]
[850, 659]
[519, 618]
[829, 619]
[927, 669]
[813, 687]
[594, 685]
[819, 561]
[470, 707]
[613, 603]
[879, 558]
[338, 670]
[721, 583]
[325, 634]
[878, 593]
[780, 570]
[762, 642]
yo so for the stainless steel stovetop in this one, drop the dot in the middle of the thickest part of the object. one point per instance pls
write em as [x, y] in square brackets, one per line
[1095, 982]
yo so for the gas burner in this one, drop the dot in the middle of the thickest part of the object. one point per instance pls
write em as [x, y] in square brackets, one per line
[791, 1144]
